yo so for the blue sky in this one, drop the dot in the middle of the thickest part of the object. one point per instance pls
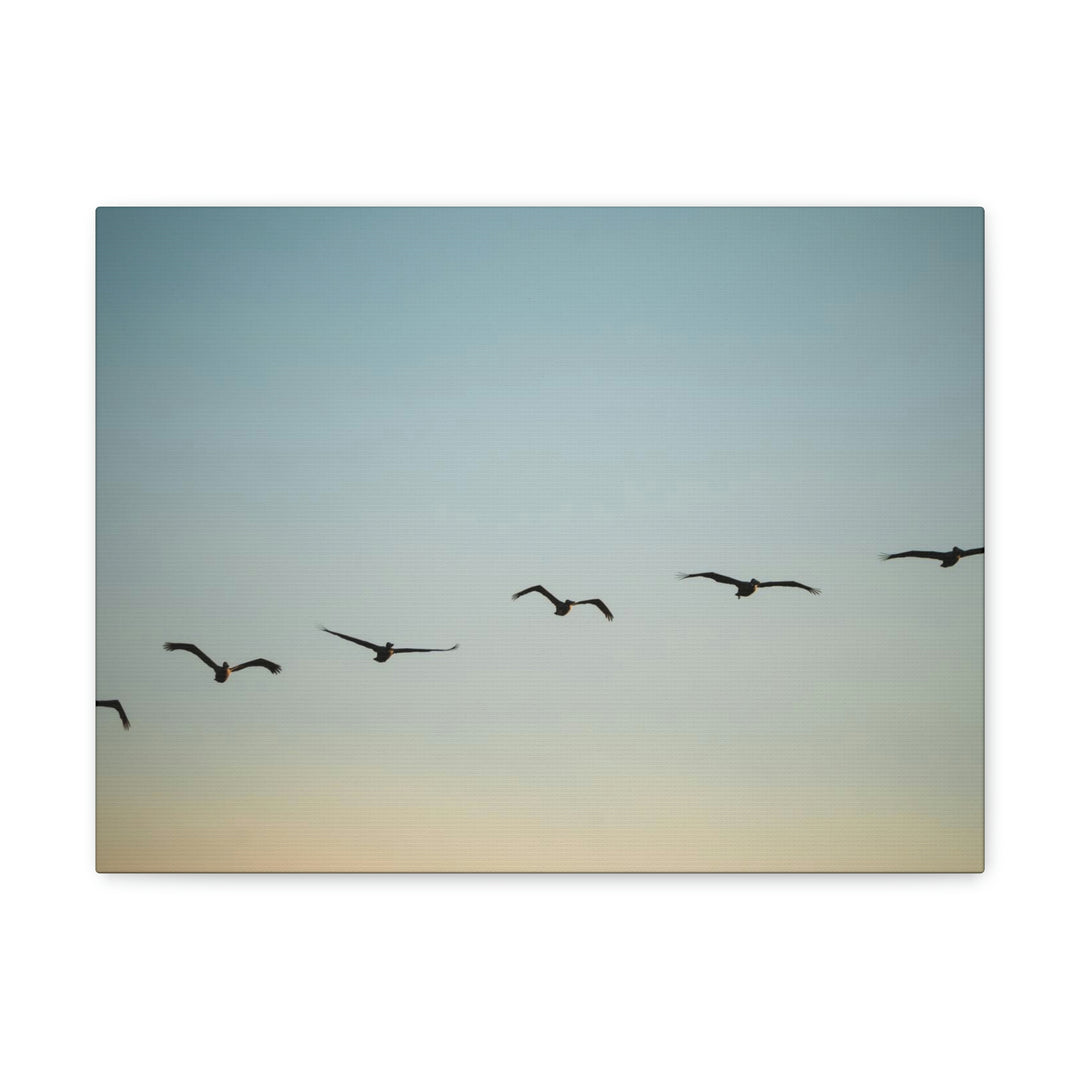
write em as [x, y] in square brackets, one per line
[389, 420]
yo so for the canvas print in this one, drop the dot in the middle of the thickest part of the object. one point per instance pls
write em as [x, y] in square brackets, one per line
[539, 540]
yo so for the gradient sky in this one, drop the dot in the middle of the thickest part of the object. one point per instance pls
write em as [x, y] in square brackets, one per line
[388, 420]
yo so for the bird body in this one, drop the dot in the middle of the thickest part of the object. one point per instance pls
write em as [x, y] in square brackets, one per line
[562, 607]
[382, 652]
[221, 671]
[114, 704]
[748, 588]
[948, 558]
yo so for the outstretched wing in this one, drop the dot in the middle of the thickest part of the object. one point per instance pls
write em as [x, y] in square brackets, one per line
[601, 605]
[172, 646]
[973, 551]
[451, 649]
[354, 640]
[716, 577]
[792, 584]
[918, 555]
[535, 588]
[119, 708]
[268, 664]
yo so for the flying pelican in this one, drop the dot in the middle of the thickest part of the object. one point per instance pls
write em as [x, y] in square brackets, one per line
[221, 671]
[383, 652]
[119, 708]
[948, 558]
[562, 607]
[748, 588]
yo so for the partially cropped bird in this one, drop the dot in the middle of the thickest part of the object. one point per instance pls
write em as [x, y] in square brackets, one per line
[562, 607]
[948, 558]
[748, 588]
[223, 670]
[383, 652]
[114, 704]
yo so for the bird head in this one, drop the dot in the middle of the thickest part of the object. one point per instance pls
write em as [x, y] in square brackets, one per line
[754, 581]
[389, 644]
[957, 551]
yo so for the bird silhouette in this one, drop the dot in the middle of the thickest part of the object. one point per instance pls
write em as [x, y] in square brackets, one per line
[221, 671]
[114, 704]
[382, 652]
[562, 607]
[948, 558]
[748, 588]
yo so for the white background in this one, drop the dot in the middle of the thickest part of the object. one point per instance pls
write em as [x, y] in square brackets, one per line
[539, 976]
